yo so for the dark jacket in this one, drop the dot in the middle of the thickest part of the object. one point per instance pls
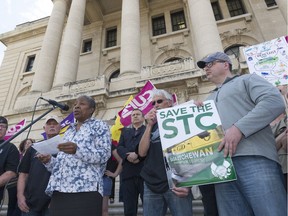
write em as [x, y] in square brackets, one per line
[129, 142]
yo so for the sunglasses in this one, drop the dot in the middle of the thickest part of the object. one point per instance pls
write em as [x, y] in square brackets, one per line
[157, 101]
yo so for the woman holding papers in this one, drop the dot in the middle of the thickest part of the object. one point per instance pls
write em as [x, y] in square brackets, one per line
[75, 185]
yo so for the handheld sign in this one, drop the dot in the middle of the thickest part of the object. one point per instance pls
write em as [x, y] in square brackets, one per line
[190, 136]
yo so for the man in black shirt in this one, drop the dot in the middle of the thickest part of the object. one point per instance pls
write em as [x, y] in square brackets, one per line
[131, 182]
[157, 195]
[34, 177]
[9, 158]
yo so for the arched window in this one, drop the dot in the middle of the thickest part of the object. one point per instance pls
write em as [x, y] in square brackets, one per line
[115, 74]
[233, 50]
[172, 59]
[237, 58]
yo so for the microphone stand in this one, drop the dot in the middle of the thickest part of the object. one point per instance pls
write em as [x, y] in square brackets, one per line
[29, 125]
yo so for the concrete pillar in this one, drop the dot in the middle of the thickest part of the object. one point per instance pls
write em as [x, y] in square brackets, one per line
[45, 70]
[282, 4]
[145, 38]
[204, 28]
[130, 61]
[71, 45]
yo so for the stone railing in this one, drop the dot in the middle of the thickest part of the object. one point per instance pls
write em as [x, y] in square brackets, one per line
[84, 86]
[178, 66]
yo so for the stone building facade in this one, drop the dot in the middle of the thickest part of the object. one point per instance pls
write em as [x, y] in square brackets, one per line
[108, 49]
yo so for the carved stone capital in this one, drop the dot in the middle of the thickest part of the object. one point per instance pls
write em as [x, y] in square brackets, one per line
[177, 92]
[192, 86]
[101, 101]
[226, 35]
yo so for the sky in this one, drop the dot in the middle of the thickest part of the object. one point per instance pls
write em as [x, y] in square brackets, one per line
[15, 12]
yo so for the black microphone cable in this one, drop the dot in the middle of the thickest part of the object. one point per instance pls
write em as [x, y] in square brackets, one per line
[33, 114]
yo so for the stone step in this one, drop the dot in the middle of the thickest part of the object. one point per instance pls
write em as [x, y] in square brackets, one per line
[116, 209]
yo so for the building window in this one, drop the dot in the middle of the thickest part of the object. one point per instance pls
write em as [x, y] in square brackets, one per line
[173, 59]
[235, 7]
[178, 21]
[270, 3]
[115, 74]
[235, 53]
[87, 46]
[30, 63]
[158, 25]
[216, 10]
[233, 50]
[111, 37]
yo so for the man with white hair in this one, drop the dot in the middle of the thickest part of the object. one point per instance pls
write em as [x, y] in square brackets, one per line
[34, 177]
[157, 195]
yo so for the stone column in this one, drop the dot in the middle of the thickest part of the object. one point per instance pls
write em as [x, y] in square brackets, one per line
[45, 70]
[130, 61]
[71, 45]
[204, 28]
[145, 38]
[282, 4]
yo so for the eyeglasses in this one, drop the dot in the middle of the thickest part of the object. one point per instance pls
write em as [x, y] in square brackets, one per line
[157, 101]
[210, 64]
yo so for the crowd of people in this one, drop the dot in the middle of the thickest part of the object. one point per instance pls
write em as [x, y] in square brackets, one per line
[78, 180]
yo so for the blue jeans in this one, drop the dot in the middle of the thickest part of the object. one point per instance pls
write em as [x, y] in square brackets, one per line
[258, 190]
[44, 212]
[155, 204]
[107, 186]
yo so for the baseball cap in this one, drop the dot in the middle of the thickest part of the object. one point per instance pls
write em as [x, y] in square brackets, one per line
[3, 120]
[56, 118]
[213, 57]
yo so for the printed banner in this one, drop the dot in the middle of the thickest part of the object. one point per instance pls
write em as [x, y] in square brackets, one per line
[141, 101]
[14, 129]
[190, 136]
[117, 127]
[66, 122]
[175, 100]
[269, 60]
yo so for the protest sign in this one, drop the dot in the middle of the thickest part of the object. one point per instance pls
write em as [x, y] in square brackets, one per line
[141, 101]
[269, 60]
[116, 129]
[12, 130]
[190, 136]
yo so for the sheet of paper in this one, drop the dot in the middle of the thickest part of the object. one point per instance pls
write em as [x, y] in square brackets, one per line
[48, 146]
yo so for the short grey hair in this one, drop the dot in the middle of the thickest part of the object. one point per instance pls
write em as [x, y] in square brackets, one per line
[90, 100]
[162, 92]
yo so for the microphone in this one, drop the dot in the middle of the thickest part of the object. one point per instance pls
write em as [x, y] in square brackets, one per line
[64, 107]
